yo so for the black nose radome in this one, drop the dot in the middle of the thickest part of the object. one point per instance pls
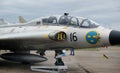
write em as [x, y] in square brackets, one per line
[114, 37]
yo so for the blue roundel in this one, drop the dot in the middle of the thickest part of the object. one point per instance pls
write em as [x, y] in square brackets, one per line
[91, 37]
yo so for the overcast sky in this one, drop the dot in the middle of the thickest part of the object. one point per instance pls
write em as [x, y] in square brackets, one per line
[105, 12]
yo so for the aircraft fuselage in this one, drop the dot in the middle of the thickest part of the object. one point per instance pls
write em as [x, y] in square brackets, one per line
[37, 37]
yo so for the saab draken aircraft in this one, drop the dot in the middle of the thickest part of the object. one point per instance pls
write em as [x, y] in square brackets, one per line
[53, 33]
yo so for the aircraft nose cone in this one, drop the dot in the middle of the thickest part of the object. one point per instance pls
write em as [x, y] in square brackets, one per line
[114, 37]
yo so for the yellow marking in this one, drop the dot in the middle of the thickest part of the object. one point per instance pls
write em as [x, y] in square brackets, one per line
[60, 36]
[65, 27]
[64, 36]
[91, 40]
[94, 36]
[89, 36]
[45, 35]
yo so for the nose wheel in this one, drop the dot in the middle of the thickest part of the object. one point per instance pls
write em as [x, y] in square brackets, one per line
[58, 57]
[59, 62]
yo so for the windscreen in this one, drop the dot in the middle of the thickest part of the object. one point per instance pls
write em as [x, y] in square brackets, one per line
[86, 23]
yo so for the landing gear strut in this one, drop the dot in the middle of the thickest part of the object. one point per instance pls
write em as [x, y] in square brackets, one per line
[59, 61]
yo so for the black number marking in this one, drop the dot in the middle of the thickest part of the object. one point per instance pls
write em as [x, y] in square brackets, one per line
[73, 37]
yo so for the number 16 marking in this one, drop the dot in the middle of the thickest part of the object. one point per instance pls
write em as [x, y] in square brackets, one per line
[73, 37]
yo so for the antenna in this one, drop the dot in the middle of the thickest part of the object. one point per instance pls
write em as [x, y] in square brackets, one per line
[66, 14]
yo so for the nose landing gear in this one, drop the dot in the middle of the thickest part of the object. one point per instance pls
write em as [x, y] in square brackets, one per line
[58, 56]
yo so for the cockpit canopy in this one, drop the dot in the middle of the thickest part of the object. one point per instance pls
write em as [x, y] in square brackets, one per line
[69, 21]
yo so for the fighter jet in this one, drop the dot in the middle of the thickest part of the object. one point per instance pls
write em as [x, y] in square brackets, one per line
[53, 33]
